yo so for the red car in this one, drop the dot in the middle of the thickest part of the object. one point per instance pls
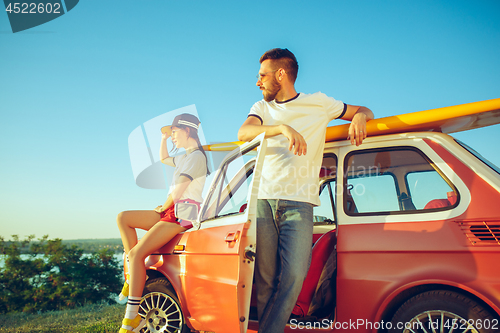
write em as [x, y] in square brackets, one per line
[407, 239]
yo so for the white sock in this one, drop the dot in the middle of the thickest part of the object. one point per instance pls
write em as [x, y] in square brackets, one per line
[132, 307]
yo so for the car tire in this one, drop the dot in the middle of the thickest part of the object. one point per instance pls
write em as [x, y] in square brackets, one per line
[161, 309]
[442, 311]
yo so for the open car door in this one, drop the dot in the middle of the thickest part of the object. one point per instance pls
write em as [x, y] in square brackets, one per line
[218, 261]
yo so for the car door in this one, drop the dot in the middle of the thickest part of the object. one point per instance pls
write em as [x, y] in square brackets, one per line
[218, 261]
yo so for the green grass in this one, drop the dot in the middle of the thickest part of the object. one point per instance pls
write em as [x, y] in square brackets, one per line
[88, 319]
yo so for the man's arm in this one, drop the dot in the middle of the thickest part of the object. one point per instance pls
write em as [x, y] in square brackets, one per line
[253, 127]
[358, 115]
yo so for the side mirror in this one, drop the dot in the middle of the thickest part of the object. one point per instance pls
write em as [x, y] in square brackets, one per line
[186, 211]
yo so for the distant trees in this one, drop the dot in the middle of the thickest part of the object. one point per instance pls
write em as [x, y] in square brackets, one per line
[94, 245]
[63, 277]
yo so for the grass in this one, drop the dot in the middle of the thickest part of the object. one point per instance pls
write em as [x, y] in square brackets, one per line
[87, 319]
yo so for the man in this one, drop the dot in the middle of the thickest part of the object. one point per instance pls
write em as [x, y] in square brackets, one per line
[295, 125]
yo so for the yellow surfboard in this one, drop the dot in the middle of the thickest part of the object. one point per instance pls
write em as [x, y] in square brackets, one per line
[446, 120]
[449, 119]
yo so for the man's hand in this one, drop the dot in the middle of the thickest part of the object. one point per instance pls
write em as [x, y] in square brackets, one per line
[357, 129]
[358, 115]
[295, 139]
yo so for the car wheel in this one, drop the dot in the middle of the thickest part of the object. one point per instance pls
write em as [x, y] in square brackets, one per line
[442, 311]
[161, 308]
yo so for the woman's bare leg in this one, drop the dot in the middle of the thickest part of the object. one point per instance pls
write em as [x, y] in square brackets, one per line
[157, 236]
[128, 221]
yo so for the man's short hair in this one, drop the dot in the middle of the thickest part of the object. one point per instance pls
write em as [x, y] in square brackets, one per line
[285, 59]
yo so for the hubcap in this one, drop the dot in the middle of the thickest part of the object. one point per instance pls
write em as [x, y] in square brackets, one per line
[439, 321]
[162, 314]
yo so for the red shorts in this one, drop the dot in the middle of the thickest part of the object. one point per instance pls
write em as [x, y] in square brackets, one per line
[169, 215]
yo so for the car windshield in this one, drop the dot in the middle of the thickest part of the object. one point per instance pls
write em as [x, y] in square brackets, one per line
[479, 156]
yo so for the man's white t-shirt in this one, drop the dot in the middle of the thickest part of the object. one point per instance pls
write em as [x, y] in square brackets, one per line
[285, 175]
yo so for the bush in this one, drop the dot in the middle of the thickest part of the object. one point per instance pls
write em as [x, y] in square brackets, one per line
[62, 278]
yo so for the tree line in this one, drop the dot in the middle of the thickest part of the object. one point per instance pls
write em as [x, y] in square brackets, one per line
[46, 274]
[87, 245]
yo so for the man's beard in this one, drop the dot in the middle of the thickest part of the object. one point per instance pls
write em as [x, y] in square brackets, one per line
[271, 92]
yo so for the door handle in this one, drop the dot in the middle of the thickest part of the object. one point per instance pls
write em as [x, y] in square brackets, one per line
[232, 236]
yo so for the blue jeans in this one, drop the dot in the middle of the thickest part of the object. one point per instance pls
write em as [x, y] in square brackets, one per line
[284, 242]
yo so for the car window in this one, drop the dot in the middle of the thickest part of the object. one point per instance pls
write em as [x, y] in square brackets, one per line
[231, 189]
[238, 199]
[426, 186]
[479, 156]
[325, 213]
[374, 193]
[394, 180]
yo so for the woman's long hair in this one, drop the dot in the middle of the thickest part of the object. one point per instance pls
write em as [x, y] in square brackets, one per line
[193, 133]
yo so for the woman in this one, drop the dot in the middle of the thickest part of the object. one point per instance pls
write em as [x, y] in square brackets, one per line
[161, 223]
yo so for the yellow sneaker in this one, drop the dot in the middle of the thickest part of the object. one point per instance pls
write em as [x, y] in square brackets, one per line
[132, 325]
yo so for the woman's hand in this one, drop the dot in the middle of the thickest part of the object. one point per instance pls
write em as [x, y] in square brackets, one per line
[159, 209]
[165, 136]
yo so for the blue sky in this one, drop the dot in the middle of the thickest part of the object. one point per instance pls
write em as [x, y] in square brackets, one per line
[72, 90]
